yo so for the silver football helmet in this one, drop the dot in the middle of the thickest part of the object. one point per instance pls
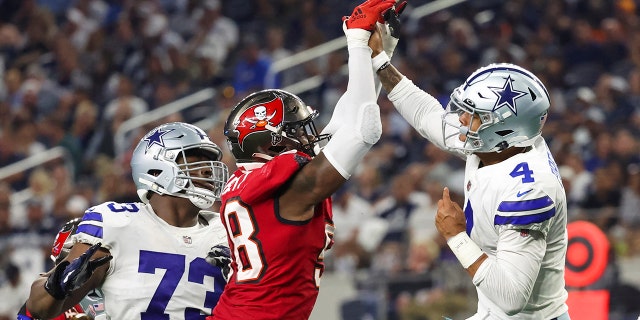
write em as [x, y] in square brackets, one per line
[159, 165]
[511, 103]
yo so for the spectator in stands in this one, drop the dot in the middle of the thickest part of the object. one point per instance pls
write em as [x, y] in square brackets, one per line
[215, 32]
[14, 290]
[125, 98]
[401, 203]
[251, 68]
[359, 234]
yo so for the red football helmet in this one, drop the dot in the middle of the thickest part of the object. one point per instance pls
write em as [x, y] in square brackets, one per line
[62, 244]
[269, 122]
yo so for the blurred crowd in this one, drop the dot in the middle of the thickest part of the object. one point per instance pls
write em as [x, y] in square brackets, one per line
[74, 70]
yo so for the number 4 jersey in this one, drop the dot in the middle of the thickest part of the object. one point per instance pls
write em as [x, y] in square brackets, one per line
[277, 263]
[158, 270]
[516, 211]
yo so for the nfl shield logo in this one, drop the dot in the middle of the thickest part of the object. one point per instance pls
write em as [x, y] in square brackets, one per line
[186, 239]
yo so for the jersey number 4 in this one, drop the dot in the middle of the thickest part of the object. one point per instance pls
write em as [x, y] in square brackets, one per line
[522, 169]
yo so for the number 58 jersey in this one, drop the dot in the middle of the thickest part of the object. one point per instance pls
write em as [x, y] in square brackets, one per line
[158, 271]
[277, 263]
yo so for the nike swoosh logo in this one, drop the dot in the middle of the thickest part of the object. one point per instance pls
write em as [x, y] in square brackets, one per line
[520, 194]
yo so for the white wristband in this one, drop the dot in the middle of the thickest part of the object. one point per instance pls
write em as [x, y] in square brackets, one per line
[465, 249]
[379, 60]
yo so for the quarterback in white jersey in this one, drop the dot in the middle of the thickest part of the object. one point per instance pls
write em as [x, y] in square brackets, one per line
[151, 259]
[511, 235]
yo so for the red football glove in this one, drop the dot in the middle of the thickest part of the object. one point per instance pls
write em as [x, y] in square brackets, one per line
[368, 13]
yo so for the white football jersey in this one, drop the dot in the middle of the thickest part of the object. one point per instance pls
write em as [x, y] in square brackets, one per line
[158, 271]
[516, 211]
[520, 202]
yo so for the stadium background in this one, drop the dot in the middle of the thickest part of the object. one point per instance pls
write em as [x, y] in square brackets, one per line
[82, 79]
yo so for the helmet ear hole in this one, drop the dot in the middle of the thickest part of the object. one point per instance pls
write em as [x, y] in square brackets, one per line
[504, 133]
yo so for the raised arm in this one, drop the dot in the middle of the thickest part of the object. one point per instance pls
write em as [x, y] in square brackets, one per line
[355, 125]
[419, 108]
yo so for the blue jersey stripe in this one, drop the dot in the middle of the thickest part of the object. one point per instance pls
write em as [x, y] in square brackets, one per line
[90, 229]
[526, 205]
[524, 220]
[468, 215]
[92, 216]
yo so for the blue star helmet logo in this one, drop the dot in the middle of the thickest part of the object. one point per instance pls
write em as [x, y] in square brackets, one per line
[156, 138]
[507, 95]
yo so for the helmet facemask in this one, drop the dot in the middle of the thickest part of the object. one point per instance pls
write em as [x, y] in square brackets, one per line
[303, 136]
[159, 164]
[473, 141]
[200, 181]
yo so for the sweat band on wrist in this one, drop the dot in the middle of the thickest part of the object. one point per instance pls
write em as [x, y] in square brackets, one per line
[380, 61]
[465, 249]
[384, 66]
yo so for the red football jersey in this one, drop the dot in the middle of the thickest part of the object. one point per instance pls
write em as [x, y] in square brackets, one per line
[24, 314]
[277, 263]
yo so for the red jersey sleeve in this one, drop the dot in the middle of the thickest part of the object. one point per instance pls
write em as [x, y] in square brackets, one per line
[268, 179]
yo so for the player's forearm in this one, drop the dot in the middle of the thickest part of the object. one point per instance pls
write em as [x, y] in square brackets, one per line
[508, 278]
[476, 265]
[503, 285]
[361, 86]
[360, 90]
[389, 77]
[41, 304]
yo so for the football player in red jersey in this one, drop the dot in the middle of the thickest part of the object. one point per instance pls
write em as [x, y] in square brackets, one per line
[276, 206]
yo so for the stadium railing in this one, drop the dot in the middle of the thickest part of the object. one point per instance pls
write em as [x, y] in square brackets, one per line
[128, 126]
[336, 44]
[33, 161]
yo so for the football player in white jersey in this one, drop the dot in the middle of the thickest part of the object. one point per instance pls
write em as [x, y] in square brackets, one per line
[150, 258]
[511, 234]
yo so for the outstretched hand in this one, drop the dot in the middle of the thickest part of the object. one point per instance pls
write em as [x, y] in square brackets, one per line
[367, 14]
[389, 25]
[392, 18]
[450, 219]
[69, 276]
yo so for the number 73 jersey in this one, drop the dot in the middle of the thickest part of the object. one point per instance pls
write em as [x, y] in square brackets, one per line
[158, 270]
[277, 263]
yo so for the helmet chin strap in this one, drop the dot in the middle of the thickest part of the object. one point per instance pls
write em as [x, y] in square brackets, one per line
[201, 198]
[202, 201]
[262, 156]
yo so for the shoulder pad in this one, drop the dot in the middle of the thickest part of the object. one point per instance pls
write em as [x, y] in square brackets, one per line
[108, 214]
[263, 182]
[529, 208]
